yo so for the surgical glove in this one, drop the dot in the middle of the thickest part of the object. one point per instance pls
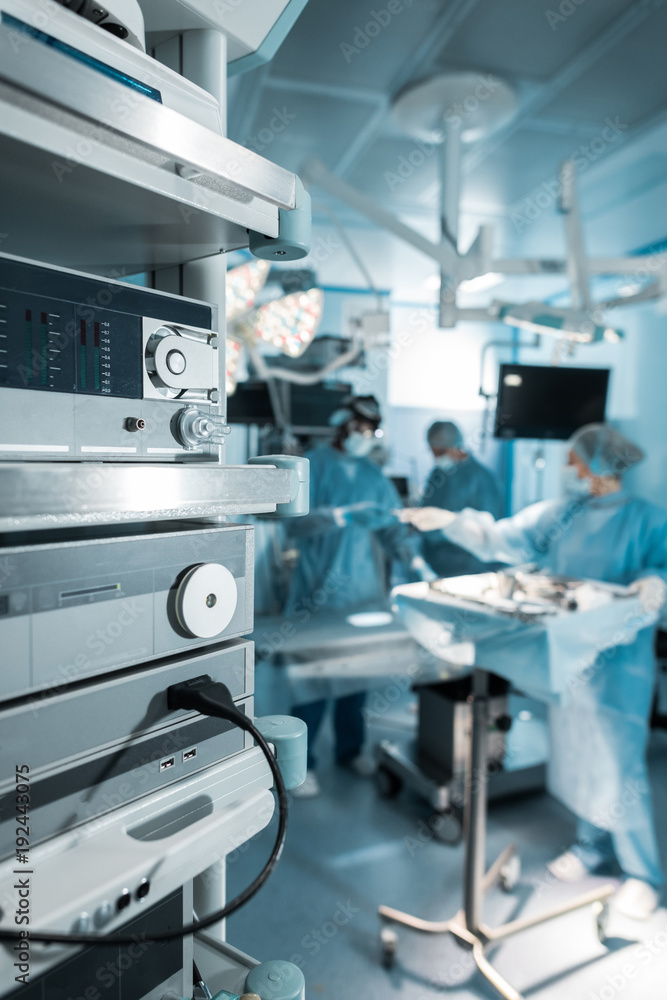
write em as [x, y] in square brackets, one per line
[364, 514]
[422, 571]
[427, 518]
[652, 592]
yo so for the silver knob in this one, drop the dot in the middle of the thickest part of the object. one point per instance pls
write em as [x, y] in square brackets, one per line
[176, 362]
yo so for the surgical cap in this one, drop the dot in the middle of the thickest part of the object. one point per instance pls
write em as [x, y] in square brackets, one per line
[359, 407]
[444, 434]
[604, 450]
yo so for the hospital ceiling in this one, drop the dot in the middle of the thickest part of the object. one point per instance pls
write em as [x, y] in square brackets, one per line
[575, 64]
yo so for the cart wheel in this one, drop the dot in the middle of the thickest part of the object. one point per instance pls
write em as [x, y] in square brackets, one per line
[388, 785]
[389, 944]
[601, 911]
[448, 827]
[510, 873]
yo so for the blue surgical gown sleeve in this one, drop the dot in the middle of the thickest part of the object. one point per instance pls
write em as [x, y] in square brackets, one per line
[396, 538]
[522, 538]
[320, 519]
[654, 545]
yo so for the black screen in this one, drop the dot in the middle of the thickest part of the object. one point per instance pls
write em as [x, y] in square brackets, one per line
[305, 406]
[540, 401]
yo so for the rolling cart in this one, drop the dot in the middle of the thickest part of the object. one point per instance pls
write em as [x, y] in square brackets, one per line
[433, 764]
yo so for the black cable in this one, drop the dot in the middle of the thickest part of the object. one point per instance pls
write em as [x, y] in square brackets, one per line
[210, 698]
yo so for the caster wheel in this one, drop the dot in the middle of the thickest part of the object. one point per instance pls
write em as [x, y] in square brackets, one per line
[389, 944]
[387, 784]
[510, 873]
[448, 827]
[601, 911]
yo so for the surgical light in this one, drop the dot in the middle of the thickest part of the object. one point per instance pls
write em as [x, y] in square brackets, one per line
[575, 325]
[242, 287]
[232, 352]
[289, 323]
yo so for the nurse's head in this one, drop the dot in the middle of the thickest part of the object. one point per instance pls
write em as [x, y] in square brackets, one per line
[357, 425]
[600, 456]
[446, 442]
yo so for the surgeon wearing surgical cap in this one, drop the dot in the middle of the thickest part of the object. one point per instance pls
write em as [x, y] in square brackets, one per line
[456, 481]
[598, 532]
[352, 507]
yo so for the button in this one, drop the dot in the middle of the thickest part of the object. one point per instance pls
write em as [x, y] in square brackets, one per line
[123, 900]
[143, 888]
[275, 977]
[103, 914]
[176, 362]
[81, 924]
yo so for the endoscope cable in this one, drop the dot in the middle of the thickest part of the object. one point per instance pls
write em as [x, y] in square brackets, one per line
[211, 698]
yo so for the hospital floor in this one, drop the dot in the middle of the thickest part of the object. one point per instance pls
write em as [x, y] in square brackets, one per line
[349, 850]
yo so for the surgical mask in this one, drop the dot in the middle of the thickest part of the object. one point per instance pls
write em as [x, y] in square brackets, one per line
[445, 462]
[573, 485]
[358, 444]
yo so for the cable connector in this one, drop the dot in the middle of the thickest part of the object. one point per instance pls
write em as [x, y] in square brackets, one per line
[193, 694]
[201, 694]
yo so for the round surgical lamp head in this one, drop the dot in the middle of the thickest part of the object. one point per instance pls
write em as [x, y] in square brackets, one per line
[477, 103]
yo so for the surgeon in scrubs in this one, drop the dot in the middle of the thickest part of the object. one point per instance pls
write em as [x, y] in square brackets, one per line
[353, 508]
[456, 481]
[597, 532]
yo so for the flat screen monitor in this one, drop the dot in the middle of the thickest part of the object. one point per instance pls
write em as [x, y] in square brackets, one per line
[542, 401]
[306, 407]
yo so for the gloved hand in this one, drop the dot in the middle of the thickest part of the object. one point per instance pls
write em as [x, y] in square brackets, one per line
[427, 518]
[421, 570]
[364, 514]
[652, 593]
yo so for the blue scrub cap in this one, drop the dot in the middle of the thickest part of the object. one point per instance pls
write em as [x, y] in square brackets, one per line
[361, 407]
[605, 450]
[444, 434]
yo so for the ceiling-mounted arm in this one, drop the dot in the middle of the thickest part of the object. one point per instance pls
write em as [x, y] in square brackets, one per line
[314, 172]
[351, 250]
[576, 256]
[450, 196]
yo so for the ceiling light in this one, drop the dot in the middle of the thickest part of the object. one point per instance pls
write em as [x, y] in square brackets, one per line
[481, 282]
[629, 288]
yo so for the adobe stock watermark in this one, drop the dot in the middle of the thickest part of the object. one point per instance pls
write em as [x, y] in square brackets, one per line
[581, 158]
[378, 20]
[280, 119]
[565, 10]
[641, 957]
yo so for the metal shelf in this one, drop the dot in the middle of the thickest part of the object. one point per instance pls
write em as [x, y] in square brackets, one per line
[71, 494]
[113, 186]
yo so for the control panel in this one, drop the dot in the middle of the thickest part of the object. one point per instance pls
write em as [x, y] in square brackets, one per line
[92, 367]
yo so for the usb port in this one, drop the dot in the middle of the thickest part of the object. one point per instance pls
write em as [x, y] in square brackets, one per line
[189, 754]
[167, 763]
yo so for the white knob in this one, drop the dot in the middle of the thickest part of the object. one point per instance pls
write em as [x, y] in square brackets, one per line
[206, 600]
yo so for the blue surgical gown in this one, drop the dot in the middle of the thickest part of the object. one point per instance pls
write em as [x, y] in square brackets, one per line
[601, 729]
[338, 566]
[467, 484]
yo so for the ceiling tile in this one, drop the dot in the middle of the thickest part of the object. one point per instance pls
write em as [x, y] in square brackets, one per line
[290, 126]
[355, 43]
[519, 167]
[396, 171]
[629, 82]
[527, 38]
